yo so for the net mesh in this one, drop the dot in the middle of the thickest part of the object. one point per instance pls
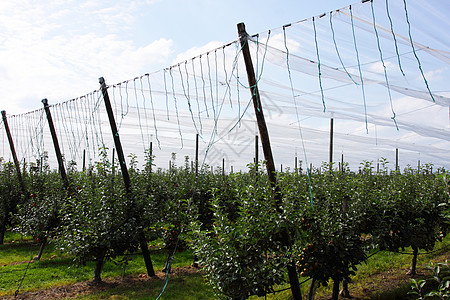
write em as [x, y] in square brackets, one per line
[377, 68]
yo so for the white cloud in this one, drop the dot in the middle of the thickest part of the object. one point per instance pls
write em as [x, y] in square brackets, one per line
[434, 75]
[378, 67]
[195, 51]
[58, 49]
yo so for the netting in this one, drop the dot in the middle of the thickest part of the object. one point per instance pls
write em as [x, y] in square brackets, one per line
[379, 69]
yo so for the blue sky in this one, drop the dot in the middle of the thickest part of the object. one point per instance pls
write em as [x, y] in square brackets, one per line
[57, 49]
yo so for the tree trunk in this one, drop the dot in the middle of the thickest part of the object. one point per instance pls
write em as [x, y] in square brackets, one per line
[98, 269]
[2, 233]
[312, 289]
[146, 255]
[195, 263]
[412, 271]
[345, 292]
[41, 249]
[335, 295]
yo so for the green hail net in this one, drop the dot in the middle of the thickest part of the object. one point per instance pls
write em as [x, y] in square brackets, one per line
[377, 68]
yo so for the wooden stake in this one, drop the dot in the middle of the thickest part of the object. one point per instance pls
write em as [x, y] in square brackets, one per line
[256, 154]
[396, 160]
[151, 157]
[115, 133]
[112, 163]
[296, 169]
[84, 160]
[196, 155]
[265, 141]
[13, 152]
[126, 176]
[331, 144]
[62, 170]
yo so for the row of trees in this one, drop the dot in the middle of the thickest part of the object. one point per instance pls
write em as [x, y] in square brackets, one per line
[334, 219]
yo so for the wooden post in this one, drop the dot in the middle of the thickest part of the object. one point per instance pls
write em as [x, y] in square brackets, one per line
[331, 144]
[265, 141]
[151, 157]
[196, 155]
[256, 154]
[19, 177]
[125, 175]
[296, 169]
[115, 132]
[223, 167]
[342, 162]
[396, 160]
[112, 163]
[84, 160]
[13, 152]
[62, 170]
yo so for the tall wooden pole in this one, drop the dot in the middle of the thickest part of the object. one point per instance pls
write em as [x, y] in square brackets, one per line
[62, 170]
[115, 132]
[296, 165]
[196, 154]
[265, 141]
[125, 175]
[84, 160]
[256, 153]
[396, 160]
[113, 169]
[13, 152]
[151, 157]
[331, 144]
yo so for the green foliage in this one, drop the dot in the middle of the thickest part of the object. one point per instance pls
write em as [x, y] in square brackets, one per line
[10, 196]
[38, 216]
[98, 218]
[243, 235]
[242, 253]
[435, 287]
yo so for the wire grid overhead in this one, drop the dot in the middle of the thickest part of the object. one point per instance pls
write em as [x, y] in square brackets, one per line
[377, 68]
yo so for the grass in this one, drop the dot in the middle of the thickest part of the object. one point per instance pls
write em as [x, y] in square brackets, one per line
[183, 287]
[382, 277]
[57, 269]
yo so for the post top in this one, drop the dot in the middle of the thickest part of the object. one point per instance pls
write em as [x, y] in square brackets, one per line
[241, 28]
[3, 113]
[101, 80]
[45, 101]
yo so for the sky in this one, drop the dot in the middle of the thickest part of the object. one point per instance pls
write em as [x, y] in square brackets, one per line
[57, 49]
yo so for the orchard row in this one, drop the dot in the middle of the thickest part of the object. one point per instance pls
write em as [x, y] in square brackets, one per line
[232, 222]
